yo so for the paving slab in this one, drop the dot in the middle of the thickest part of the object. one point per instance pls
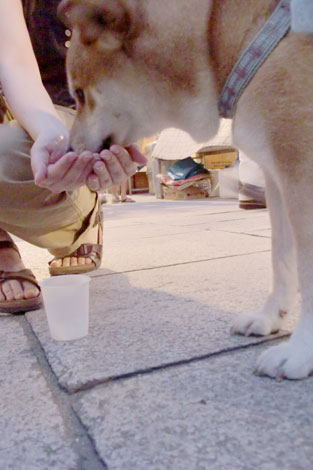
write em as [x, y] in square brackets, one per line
[174, 232]
[153, 246]
[149, 204]
[145, 319]
[254, 223]
[122, 255]
[155, 227]
[164, 227]
[169, 214]
[178, 214]
[210, 415]
[158, 383]
[34, 435]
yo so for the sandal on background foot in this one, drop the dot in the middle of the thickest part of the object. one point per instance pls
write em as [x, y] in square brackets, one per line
[127, 199]
[20, 305]
[93, 251]
[115, 200]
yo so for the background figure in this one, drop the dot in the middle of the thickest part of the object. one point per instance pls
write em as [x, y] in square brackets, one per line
[252, 185]
[119, 193]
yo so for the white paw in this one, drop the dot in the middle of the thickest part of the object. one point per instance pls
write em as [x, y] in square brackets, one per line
[257, 324]
[290, 360]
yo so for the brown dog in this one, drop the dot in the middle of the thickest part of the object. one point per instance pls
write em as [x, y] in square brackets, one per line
[138, 66]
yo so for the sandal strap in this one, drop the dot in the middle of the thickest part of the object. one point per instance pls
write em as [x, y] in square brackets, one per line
[89, 250]
[22, 275]
[9, 244]
[86, 249]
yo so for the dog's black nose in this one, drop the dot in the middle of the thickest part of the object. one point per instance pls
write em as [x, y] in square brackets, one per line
[106, 143]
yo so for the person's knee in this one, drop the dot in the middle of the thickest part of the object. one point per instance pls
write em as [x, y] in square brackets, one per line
[15, 146]
[13, 139]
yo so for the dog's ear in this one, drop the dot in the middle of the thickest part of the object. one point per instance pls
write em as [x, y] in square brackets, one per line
[105, 22]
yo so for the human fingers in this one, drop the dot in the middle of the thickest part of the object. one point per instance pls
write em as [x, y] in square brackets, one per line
[39, 169]
[79, 171]
[114, 167]
[87, 171]
[93, 182]
[39, 163]
[72, 176]
[104, 177]
[56, 172]
[124, 157]
[49, 146]
[136, 155]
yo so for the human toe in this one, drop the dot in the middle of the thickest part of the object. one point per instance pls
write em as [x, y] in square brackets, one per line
[7, 291]
[15, 290]
[57, 262]
[83, 260]
[30, 290]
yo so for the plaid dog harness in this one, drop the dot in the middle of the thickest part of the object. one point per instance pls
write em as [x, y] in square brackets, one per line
[275, 28]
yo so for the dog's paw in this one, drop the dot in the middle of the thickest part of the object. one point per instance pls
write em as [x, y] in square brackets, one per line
[290, 360]
[257, 324]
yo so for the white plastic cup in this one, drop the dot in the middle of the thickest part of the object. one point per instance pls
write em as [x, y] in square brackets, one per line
[66, 302]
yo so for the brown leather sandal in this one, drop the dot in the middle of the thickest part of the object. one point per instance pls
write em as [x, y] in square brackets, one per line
[86, 250]
[20, 305]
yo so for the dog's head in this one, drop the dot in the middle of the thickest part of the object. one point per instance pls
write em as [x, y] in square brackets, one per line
[137, 66]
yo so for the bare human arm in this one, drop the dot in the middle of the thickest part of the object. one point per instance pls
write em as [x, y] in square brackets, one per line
[32, 107]
[23, 88]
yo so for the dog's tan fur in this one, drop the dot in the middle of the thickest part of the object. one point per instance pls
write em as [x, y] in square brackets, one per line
[143, 65]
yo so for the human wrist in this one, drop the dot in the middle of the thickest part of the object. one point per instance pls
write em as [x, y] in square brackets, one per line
[46, 124]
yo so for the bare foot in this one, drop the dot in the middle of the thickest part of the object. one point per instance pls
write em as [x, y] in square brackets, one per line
[11, 261]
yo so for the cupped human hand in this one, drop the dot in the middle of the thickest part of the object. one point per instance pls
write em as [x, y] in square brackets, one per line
[69, 172]
[114, 166]
[49, 146]
[56, 169]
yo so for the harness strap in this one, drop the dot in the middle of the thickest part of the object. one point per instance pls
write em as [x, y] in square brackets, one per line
[275, 28]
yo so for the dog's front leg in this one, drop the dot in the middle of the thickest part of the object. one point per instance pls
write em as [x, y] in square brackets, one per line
[270, 317]
[293, 359]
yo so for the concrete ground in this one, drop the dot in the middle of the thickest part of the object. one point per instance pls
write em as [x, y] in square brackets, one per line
[158, 384]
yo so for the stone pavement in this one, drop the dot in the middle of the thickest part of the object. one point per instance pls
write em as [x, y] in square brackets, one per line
[158, 384]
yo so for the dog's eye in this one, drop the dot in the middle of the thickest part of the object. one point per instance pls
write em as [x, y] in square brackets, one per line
[80, 95]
